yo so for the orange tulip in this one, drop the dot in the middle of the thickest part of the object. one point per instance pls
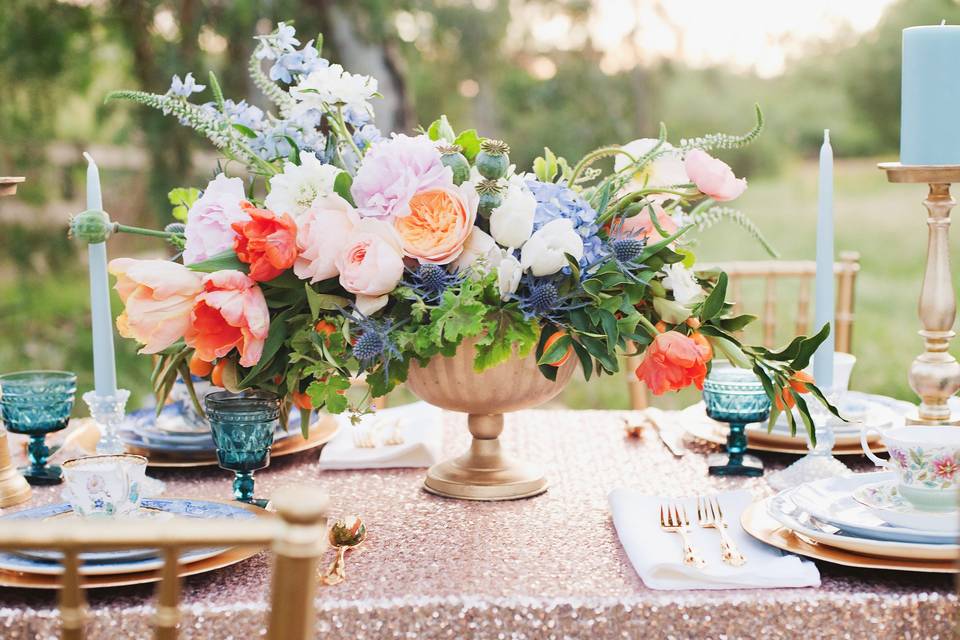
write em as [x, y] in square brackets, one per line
[672, 362]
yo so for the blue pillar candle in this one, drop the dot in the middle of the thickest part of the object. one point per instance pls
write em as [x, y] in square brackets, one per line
[824, 309]
[930, 96]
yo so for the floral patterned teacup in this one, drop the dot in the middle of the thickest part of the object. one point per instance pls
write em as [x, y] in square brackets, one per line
[106, 485]
[927, 462]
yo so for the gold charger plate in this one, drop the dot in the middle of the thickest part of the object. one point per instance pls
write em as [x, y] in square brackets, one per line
[763, 527]
[321, 432]
[703, 430]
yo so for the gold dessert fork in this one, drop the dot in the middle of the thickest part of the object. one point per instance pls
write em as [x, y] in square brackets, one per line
[710, 515]
[673, 518]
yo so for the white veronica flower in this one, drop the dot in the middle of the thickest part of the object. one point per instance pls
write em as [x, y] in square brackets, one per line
[680, 280]
[331, 86]
[298, 187]
[667, 170]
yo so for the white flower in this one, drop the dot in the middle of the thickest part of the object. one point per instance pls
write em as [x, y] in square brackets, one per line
[480, 254]
[298, 187]
[512, 222]
[543, 253]
[680, 280]
[509, 273]
[667, 170]
[330, 86]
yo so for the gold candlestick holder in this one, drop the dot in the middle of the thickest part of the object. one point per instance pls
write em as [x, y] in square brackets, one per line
[934, 374]
[13, 487]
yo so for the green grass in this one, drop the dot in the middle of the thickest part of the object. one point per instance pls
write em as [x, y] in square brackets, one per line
[45, 322]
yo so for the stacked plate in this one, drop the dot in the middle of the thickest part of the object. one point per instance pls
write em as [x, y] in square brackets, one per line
[40, 568]
[863, 518]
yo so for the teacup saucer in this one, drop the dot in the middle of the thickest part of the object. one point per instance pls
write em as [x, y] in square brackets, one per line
[885, 502]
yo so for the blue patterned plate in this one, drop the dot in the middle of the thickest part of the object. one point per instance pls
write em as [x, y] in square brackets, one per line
[109, 563]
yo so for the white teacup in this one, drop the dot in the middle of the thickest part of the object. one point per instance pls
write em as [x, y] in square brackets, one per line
[927, 462]
[105, 485]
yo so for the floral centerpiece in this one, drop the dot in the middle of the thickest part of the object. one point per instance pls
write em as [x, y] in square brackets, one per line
[337, 252]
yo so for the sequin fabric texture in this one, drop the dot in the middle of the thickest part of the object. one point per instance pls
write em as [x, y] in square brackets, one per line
[547, 567]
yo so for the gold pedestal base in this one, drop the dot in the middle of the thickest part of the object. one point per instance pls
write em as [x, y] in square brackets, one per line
[13, 487]
[485, 473]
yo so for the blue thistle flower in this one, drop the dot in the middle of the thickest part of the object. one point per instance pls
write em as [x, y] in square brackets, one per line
[623, 248]
[429, 281]
[540, 298]
[374, 342]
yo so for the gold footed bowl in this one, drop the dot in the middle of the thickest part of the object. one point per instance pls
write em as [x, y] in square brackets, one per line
[485, 472]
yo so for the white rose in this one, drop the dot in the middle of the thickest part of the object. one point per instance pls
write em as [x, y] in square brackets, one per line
[299, 186]
[512, 222]
[543, 253]
[667, 170]
[509, 273]
[680, 280]
[480, 254]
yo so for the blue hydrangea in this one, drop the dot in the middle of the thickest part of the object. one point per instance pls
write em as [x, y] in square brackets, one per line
[186, 87]
[559, 201]
[301, 63]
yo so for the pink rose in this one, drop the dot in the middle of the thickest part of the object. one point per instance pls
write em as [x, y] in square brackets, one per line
[371, 261]
[321, 233]
[158, 296]
[230, 313]
[395, 170]
[439, 223]
[209, 220]
[640, 226]
[713, 177]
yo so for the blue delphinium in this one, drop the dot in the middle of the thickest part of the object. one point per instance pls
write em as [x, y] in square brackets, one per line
[293, 62]
[559, 201]
[281, 41]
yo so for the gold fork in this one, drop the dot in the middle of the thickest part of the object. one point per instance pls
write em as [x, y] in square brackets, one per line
[710, 515]
[673, 518]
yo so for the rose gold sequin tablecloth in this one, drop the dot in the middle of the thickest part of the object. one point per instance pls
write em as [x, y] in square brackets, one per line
[547, 567]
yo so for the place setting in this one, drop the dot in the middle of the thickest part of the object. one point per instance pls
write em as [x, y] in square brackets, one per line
[436, 327]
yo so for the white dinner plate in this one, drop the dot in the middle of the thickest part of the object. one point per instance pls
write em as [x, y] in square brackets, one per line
[787, 513]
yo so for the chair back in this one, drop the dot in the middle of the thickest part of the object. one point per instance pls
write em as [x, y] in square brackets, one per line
[801, 274]
[297, 536]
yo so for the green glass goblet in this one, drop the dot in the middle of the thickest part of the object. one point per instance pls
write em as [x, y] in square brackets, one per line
[243, 425]
[737, 397]
[35, 403]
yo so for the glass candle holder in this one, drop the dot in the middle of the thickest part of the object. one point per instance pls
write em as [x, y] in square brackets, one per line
[735, 396]
[243, 425]
[35, 403]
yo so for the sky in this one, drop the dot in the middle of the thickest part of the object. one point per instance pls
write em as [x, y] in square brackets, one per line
[755, 35]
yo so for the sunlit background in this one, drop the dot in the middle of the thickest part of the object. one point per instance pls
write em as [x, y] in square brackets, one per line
[568, 74]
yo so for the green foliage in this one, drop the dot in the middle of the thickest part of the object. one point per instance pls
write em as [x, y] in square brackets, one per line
[182, 198]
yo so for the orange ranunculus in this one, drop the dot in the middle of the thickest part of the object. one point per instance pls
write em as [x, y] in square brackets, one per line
[703, 344]
[439, 222]
[231, 312]
[158, 296]
[267, 242]
[672, 362]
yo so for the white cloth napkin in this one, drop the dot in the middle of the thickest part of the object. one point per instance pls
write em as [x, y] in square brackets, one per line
[419, 424]
[657, 555]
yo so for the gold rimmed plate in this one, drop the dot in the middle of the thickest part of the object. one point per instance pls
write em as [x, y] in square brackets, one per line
[757, 522]
[321, 432]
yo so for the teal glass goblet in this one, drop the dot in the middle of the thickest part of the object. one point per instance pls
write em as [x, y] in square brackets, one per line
[35, 403]
[735, 396]
[243, 425]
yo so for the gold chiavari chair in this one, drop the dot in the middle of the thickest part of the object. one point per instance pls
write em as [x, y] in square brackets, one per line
[297, 537]
[771, 272]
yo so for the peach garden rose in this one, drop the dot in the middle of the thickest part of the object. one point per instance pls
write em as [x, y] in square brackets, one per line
[439, 223]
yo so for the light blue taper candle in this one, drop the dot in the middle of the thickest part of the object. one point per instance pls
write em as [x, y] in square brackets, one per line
[930, 95]
[104, 364]
[824, 309]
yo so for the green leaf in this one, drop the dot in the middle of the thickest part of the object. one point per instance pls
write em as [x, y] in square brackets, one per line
[808, 347]
[736, 323]
[220, 262]
[506, 332]
[342, 184]
[670, 312]
[182, 198]
[469, 143]
[731, 352]
[586, 362]
[457, 317]
[713, 305]
[326, 393]
[323, 301]
[440, 129]
[305, 422]
[245, 130]
[556, 351]
[610, 328]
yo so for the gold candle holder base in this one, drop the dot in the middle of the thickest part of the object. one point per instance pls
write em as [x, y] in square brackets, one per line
[13, 486]
[484, 472]
[934, 374]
